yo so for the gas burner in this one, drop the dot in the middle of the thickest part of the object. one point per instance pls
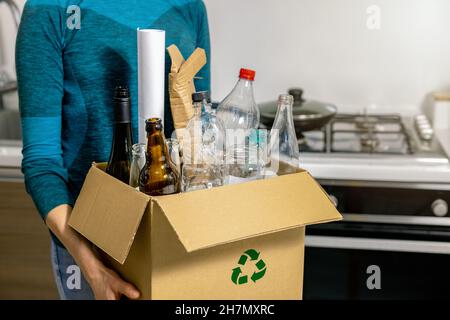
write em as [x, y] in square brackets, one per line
[369, 142]
[368, 135]
[365, 133]
[366, 123]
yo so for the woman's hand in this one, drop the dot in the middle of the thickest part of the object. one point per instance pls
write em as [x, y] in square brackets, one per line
[104, 282]
[107, 285]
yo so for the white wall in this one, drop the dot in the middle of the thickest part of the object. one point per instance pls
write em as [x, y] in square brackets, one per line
[325, 47]
[7, 45]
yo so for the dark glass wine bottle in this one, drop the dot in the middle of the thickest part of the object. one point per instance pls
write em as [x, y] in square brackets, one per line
[120, 158]
[159, 176]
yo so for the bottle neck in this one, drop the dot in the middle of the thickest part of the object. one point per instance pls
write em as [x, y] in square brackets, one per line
[285, 111]
[138, 151]
[285, 106]
[201, 107]
[244, 87]
[198, 107]
[156, 146]
[122, 110]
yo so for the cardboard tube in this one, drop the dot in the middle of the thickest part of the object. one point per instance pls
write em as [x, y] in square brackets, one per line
[151, 68]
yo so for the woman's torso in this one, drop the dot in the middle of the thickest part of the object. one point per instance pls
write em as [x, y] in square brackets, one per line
[101, 54]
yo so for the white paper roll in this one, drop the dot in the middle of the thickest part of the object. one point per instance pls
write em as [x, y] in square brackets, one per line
[151, 68]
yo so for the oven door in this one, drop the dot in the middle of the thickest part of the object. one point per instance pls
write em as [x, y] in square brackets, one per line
[395, 248]
[335, 269]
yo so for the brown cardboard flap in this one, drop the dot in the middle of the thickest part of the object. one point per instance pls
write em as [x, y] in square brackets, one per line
[193, 64]
[108, 213]
[208, 218]
[181, 83]
[176, 57]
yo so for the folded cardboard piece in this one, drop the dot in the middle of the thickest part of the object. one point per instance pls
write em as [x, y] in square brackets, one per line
[241, 241]
[181, 84]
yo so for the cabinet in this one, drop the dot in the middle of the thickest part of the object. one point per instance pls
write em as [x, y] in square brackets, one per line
[25, 267]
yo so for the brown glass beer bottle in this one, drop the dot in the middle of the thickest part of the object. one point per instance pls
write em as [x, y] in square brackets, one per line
[159, 176]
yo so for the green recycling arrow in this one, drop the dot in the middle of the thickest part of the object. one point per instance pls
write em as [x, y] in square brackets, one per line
[258, 275]
[239, 278]
[243, 260]
[260, 264]
[253, 254]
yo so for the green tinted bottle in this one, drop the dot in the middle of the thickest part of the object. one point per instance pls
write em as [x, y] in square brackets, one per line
[120, 158]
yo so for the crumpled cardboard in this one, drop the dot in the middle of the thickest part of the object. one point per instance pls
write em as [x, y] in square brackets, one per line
[181, 84]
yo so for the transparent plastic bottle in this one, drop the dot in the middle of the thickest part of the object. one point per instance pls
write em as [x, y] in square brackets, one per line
[240, 116]
[203, 148]
[239, 110]
[284, 151]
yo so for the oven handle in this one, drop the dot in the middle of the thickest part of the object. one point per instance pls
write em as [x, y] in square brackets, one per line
[371, 244]
[398, 219]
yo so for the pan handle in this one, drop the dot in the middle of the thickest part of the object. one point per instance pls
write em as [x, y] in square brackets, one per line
[297, 93]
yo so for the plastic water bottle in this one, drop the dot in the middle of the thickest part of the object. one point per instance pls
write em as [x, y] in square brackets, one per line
[240, 117]
[203, 148]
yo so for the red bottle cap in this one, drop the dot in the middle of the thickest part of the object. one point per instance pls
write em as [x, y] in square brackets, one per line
[247, 74]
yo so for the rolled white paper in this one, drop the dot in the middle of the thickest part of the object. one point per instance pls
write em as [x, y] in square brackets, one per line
[151, 68]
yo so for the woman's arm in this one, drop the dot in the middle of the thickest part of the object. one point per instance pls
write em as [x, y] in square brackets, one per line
[104, 282]
[40, 74]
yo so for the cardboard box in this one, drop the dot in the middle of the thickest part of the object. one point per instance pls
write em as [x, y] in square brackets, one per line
[241, 241]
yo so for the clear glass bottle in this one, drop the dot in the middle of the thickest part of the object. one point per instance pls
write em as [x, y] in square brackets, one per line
[137, 163]
[284, 151]
[203, 148]
[240, 116]
[173, 146]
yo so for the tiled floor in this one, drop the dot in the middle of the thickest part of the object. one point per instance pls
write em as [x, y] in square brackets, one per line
[25, 270]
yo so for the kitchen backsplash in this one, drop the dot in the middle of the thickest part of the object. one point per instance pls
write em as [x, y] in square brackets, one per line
[354, 53]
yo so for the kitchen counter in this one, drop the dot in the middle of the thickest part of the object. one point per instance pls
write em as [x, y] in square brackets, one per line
[10, 160]
[320, 167]
[10, 137]
[373, 168]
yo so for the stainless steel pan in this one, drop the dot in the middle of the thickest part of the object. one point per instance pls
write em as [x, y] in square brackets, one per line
[309, 115]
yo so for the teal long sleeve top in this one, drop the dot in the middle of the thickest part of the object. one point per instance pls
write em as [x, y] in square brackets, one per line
[67, 67]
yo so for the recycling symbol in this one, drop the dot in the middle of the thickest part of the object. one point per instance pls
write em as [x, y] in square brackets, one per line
[239, 278]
